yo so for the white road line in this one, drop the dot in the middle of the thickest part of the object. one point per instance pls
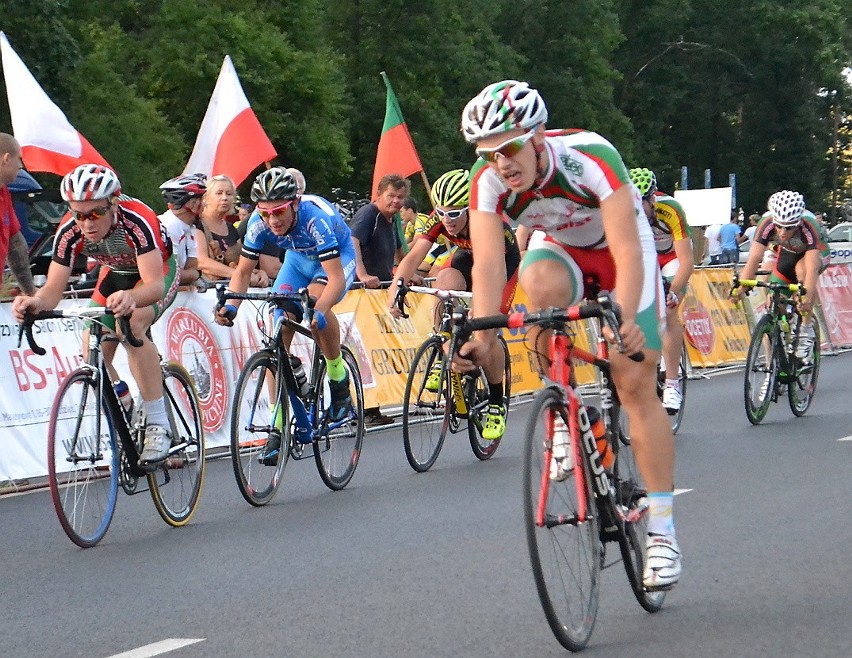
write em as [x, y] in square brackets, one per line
[845, 438]
[157, 648]
[677, 492]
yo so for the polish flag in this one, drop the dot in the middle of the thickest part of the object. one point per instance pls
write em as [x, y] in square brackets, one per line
[48, 141]
[231, 140]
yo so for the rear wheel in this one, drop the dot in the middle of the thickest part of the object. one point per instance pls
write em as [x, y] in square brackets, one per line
[252, 419]
[760, 370]
[425, 414]
[82, 460]
[337, 445]
[565, 550]
[802, 385]
[477, 400]
[177, 483]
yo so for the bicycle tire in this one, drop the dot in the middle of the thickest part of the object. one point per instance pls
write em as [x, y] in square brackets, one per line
[802, 386]
[337, 450]
[761, 370]
[424, 413]
[566, 557]
[251, 420]
[83, 488]
[630, 490]
[477, 401]
[176, 484]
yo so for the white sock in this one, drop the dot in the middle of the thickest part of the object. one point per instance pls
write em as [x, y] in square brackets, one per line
[155, 412]
[660, 520]
[673, 383]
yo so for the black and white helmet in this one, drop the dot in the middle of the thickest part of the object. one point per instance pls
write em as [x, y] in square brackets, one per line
[180, 190]
[90, 181]
[276, 184]
[786, 207]
[500, 107]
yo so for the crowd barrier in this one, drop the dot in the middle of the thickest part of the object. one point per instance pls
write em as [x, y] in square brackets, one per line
[717, 334]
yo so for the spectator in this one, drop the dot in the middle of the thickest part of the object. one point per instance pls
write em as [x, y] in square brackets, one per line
[713, 246]
[377, 243]
[753, 221]
[730, 238]
[244, 212]
[183, 195]
[218, 241]
[13, 246]
[301, 183]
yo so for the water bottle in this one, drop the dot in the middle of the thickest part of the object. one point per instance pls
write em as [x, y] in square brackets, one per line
[599, 430]
[299, 374]
[122, 392]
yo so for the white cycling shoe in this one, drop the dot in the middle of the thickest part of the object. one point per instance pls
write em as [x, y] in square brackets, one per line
[662, 563]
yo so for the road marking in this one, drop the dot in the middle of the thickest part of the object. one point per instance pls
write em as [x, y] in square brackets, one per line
[157, 648]
[677, 492]
[845, 438]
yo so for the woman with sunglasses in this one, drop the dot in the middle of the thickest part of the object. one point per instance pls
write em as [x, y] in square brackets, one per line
[138, 278]
[319, 255]
[450, 196]
[573, 186]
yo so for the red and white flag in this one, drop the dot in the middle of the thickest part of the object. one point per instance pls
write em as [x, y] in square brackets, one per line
[231, 140]
[48, 141]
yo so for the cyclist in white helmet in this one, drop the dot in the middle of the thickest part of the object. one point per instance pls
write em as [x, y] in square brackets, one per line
[138, 278]
[801, 255]
[183, 195]
[574, 188]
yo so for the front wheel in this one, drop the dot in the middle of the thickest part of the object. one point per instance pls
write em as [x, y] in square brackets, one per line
[82, 460]
[803, 380]
[760, 370]
[477, 401]
[564, 547]
[253, 417]
[425, 412]
[337, 445]
[676, 418]
[177, 483]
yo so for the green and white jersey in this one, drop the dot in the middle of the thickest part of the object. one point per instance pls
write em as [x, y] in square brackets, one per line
[583, 170]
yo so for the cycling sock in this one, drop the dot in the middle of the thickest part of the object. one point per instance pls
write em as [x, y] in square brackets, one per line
[495, 393]
[336, 371]
[155, 412]
[277, 417]
[673, 383]
[660, 520]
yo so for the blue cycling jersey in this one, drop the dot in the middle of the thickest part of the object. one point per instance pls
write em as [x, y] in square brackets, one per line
[318, 234]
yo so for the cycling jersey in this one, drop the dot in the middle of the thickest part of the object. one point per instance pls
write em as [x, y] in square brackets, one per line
[441, 249]
[136, 231]
[809, 236]
[669, 226]
[318, 234]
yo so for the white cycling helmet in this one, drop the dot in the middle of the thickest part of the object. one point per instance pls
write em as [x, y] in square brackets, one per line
[90, 181]
[786, 207]
[500, 107]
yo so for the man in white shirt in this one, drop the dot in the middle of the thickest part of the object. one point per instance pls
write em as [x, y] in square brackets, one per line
[183, 194]
[714, 246]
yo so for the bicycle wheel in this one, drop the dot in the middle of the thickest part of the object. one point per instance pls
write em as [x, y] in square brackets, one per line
[565, 553]
[802, 385]
[337, 445]
[760, 370]
[251, 421]
[177, 483]
[82, 460]
[630, 494]
[425, 414]
[477, 401]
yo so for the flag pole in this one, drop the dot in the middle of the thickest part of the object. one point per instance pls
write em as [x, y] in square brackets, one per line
[428, 188]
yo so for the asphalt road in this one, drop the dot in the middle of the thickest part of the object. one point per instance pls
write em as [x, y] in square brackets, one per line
[401, 564]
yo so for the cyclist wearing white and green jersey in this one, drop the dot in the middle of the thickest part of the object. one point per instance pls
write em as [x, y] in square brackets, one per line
[672, 239]
[574, 188]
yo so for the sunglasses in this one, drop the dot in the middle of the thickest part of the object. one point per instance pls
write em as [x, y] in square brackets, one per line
[452, 215]
[508, 149]
[94, 213]
[277, 210]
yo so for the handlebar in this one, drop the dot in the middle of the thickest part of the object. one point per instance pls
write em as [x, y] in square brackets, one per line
[26, 327]
[277, 299]
[773, 286]
[444, 295]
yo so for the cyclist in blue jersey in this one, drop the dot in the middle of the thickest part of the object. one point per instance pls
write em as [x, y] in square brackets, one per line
[318, 255]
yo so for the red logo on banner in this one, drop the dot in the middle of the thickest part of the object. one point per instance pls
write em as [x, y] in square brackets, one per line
[191, 344]
[698, 326]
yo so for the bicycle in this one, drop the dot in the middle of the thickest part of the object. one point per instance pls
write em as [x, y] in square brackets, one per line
[458, 401]
[771, 364]
[94, 444]
[571, 516]
[267, 389]
[676, 418]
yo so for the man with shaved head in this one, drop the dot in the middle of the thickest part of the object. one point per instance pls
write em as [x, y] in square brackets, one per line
[12, 243]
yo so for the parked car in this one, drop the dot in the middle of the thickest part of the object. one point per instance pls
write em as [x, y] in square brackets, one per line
[840, 241]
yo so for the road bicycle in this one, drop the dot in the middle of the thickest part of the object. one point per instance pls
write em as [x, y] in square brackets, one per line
[267, 390]
[457, 401]
[772, 367]
[572, 514]
[94, 443]
[676, 418]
